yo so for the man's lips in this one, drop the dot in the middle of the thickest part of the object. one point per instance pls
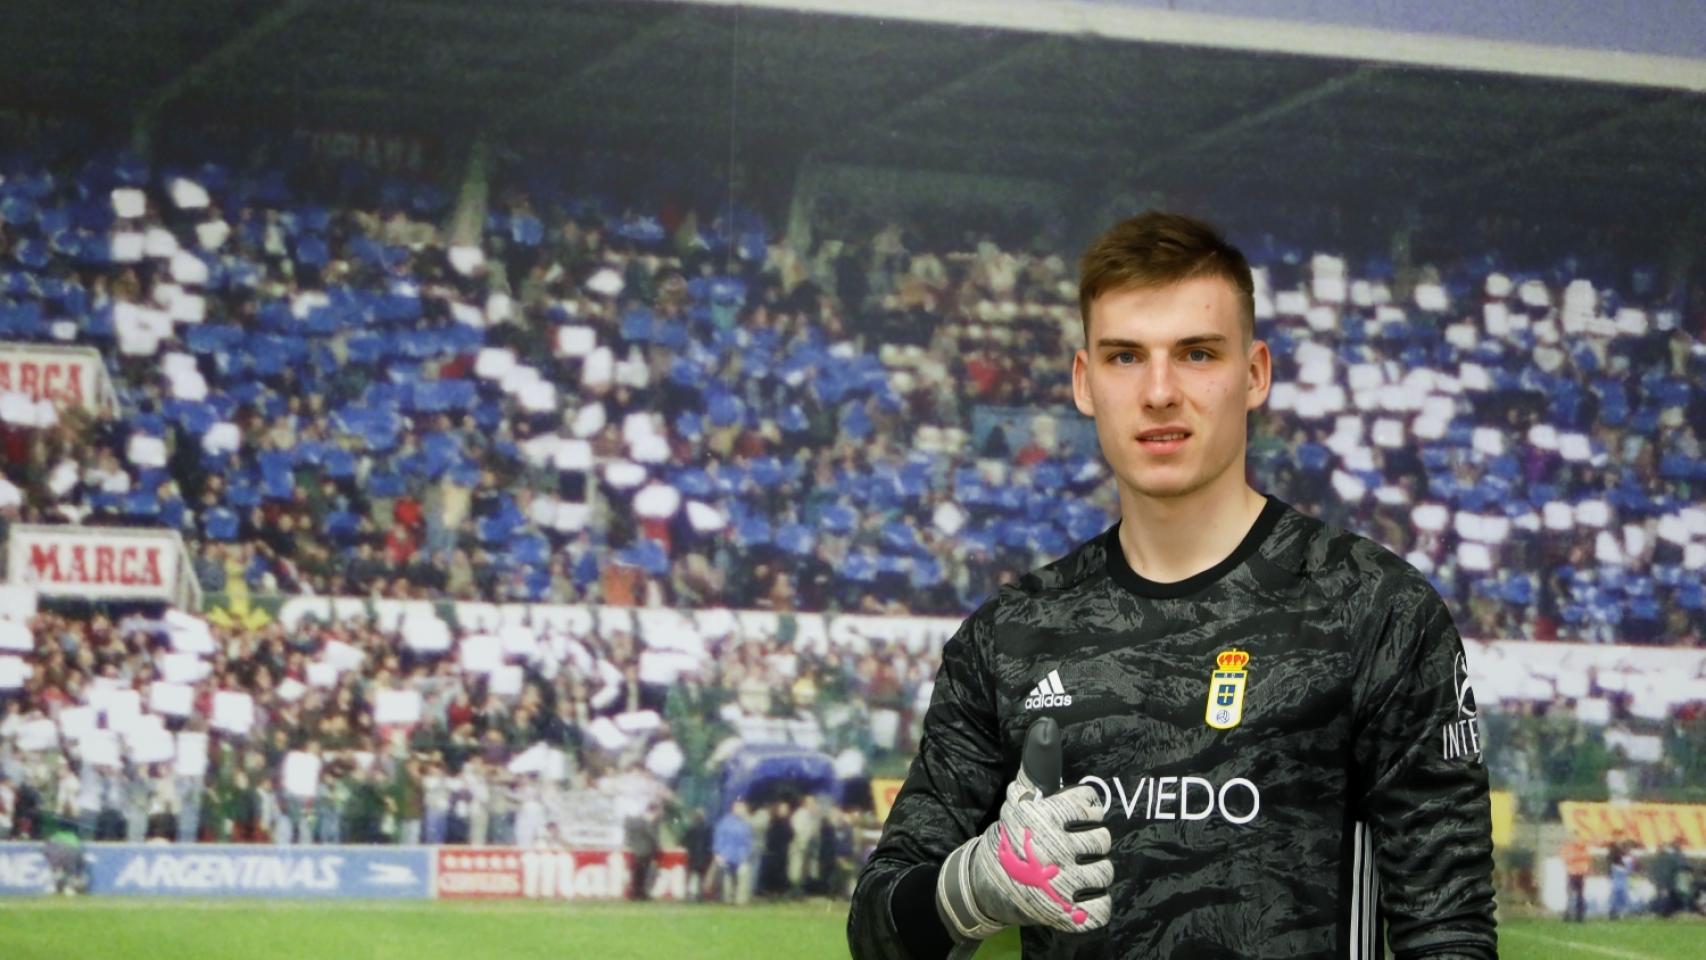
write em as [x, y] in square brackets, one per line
[1163, 448]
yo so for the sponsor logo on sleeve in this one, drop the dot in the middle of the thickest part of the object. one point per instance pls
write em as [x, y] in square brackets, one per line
[1461, 737]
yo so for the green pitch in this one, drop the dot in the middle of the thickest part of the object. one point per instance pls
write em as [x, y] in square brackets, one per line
[135, 929]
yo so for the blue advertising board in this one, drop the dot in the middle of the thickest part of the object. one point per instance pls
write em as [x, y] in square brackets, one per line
[231, 870]
[260, 871]
[23, 869]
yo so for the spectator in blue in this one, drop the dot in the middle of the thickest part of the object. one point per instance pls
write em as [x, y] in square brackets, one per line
[1621, 858]
[731, 844]
[435, 797]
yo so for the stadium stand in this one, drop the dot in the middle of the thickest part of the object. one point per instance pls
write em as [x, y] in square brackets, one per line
[618, 406]
[606, 407]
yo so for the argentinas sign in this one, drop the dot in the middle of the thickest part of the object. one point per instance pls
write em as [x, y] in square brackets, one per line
[102, 563]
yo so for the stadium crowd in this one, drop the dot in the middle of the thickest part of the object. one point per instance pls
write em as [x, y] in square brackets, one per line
[647, 753]
[325, 394]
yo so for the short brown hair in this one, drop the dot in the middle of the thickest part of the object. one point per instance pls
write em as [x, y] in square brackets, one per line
[1158, 249]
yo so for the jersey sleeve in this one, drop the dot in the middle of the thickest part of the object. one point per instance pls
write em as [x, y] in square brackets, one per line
[952, 793]
[1421, 780]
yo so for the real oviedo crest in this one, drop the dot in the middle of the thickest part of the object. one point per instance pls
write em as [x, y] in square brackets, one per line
[1226, 690]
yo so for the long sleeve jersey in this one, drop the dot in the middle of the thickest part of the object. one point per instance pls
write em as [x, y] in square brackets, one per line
[1285, 745]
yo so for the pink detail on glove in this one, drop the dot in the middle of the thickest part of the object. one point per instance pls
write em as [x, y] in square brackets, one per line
[1028, 871]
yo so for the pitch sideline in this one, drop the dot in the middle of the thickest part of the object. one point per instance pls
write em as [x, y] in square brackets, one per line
[1578, 945]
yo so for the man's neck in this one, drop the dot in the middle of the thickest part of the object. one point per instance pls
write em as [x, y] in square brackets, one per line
[1171, 539]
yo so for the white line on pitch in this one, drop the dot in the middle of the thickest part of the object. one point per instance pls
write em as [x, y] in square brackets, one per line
[1578, 945]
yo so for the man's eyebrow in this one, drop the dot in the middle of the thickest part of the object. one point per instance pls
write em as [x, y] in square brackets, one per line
[1181, 342]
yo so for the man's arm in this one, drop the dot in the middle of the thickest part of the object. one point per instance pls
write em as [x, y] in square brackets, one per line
[1422, 782]
[951, 793]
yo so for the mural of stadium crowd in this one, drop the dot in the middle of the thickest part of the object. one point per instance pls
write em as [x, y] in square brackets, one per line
[630, 527]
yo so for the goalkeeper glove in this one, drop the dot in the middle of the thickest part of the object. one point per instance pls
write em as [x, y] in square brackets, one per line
[1043, 862]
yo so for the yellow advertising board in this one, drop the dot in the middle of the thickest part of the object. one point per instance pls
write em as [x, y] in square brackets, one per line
[1504, 817]
[883, 792]
[1647, 824]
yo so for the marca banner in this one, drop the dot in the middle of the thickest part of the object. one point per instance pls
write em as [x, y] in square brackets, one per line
[103, 563]
[74, 376]
[510, 873]
[23, 869]
[226, 870]
[1650, 825]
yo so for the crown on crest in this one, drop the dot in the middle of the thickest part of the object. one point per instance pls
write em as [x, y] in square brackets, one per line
[1233, 660]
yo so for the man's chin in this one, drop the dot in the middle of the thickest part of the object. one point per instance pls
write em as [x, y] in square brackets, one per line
[1166, 488]
[1172, 482]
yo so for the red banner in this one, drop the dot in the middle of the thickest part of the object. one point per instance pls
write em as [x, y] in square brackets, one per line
[102, 563]
[70, 375]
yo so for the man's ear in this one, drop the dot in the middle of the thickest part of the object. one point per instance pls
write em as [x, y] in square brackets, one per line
[1081, 383]
[1261, 375]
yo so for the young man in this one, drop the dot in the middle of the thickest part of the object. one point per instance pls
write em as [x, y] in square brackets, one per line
[1268, 737]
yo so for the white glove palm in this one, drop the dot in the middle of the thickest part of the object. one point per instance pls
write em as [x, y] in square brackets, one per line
[1026, 870]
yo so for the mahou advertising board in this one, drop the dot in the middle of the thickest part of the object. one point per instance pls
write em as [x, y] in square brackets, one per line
[542, 873]
[102, 563]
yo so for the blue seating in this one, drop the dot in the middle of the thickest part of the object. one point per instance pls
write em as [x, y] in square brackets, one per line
[219, 523]
[795, 539]
[1676, 466]
[838, 519]
[752, 532]
[766, 472]
[890, 565]
[859, 568]
[526, 230]
[531, 550]
[385, 483]
[140, 504]
[926, 572]
[1691, 595]
[243, 493]
[724, 409]
[636, 325]
[396, 309]
[439, 396]
[1313, 457]
[342, 526]
[492, 530]
[900, 538]
[338, 463]
[646, 554]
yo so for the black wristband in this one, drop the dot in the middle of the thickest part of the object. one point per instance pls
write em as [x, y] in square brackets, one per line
[912, 908]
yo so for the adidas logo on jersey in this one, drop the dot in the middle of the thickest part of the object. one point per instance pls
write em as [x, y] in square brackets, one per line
[1048, 693]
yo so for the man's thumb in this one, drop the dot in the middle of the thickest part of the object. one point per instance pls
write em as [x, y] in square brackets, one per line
[1041, 761]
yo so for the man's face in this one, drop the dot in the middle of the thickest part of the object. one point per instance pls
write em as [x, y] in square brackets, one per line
[1170, 357]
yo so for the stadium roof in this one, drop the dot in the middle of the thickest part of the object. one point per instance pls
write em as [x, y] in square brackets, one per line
[1136, 96]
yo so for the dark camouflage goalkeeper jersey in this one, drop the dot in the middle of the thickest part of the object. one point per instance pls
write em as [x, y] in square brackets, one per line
[1286, 746]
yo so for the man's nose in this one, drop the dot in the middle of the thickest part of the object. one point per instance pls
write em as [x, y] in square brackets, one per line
[1160, 385]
